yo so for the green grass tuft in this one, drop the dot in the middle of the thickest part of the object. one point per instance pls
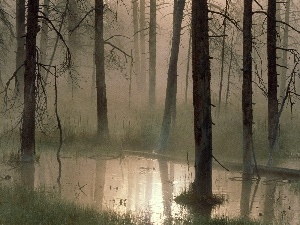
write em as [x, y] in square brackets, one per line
[19, 205]
[190, 199]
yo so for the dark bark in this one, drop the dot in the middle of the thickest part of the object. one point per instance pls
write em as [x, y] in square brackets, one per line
[20, 55]
[284, 53]
[201, 99]
[44, 37]
[143, 45]
[248, 163]
[102, 128]
[28, 119]
[272, 79]
[172, 77]
[152, 54]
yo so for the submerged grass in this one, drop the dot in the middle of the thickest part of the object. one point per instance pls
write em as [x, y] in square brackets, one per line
[190, 199]
[201, 220]
[19, 205]
[200, 209]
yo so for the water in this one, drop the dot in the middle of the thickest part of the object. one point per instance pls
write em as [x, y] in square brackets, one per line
[147, 187]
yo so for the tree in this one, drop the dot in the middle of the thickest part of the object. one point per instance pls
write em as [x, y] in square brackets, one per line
[44, 37]
[247, 91]
[272, 79]
[143, 44]
[284, 53]
[20, 54]
[152, 54]
[201, 99]
[102, 126]
[73, 42]
[188, 67]
[136, 57]
[222, 56]
[28, 119]
[172, 75]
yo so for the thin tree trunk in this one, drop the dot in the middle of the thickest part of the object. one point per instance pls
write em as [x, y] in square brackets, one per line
[188, 68]
[152, 54]
[137, 61]
[73, 39]
[201, 99]
[229, 72]
[248, 163]
[172, 77]
[272, 79]
[284, 53]
[143, 45]
[222, 57]
[57, 39]
[102, 127]
[20, 55]
[1, 84]
[44, 37]
[28, 121]
[93, 86]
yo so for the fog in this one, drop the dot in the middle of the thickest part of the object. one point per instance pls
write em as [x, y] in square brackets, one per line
[135, 127]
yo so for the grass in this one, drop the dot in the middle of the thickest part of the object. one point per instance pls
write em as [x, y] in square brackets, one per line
[200, 209]
[200, 220]
[190, 199]
[19, 205]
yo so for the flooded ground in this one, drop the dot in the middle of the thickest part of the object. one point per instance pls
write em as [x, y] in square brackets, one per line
[147, 187]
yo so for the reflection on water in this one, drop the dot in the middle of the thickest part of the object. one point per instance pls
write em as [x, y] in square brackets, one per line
[148, 186]
[27, 172]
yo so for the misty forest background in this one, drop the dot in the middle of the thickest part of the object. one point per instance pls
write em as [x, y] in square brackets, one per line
[138, 55]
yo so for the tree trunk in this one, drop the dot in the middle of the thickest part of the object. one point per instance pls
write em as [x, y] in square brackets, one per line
[102, 128]
[1, 84]
[152, 54]
[201, 99]
[28, 120]
[272, 79]
[137, 61]
[44, 38]
[142, 45]
[248, 163]
[73, 38]
[20, 56]
[229, 72]
[284, 53]
[222, 57]
[188, 68]
[172, 77]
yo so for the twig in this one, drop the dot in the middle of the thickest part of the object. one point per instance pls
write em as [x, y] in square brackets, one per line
[219, 163]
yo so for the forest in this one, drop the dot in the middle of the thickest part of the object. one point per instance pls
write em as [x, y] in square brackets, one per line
[149, 112]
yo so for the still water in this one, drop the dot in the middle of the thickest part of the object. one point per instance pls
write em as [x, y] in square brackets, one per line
[147, 187]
